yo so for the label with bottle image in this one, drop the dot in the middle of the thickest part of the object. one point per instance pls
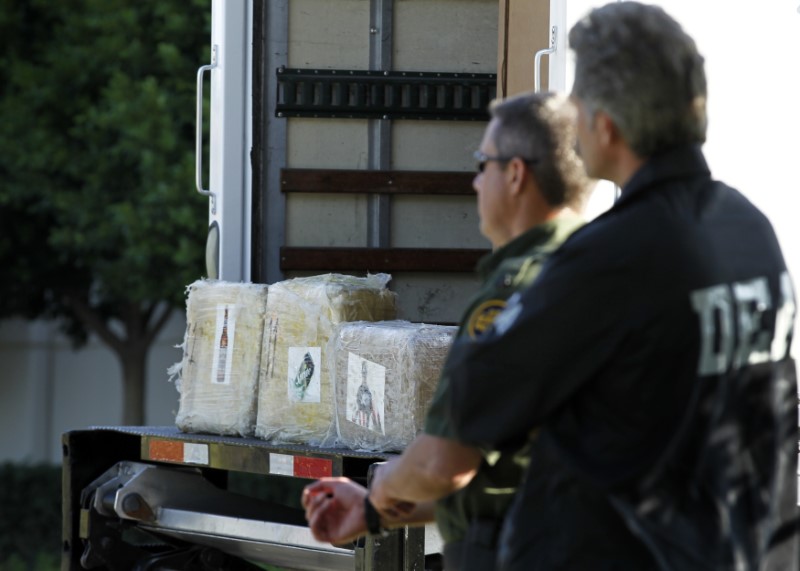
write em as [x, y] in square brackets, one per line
[224, 336]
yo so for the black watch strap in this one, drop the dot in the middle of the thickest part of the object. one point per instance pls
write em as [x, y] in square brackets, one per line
[373, 517]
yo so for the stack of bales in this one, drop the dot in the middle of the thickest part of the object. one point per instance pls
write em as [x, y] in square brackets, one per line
[320, 360]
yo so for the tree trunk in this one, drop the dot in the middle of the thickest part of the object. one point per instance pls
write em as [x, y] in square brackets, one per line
[134, 379]
[142, 325]
[142, 328]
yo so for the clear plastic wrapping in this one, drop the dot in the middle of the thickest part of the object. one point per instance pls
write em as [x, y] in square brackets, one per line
[218, 376]
[295, 397]
[385, 377]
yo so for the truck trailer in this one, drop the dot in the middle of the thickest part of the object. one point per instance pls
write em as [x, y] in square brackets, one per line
[340, 139]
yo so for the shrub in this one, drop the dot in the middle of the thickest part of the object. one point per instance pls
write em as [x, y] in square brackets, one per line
[30, 517]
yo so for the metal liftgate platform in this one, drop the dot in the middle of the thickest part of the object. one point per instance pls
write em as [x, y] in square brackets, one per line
[145, 498]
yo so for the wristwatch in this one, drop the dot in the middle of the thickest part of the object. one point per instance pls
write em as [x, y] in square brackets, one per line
[373, 519]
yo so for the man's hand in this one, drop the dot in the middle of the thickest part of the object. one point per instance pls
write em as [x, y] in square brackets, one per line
[335, 510]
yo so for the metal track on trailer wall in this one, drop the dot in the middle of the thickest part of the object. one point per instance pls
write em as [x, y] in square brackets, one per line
[352, 94]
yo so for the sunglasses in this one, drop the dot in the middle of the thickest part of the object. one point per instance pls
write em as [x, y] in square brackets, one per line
[482, 158]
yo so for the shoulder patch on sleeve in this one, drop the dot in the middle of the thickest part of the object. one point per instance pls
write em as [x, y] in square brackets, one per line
[483, 317]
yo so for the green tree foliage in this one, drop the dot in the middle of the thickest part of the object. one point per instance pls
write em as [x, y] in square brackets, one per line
[101, 226]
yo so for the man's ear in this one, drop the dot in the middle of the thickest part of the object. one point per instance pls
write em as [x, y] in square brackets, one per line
[607, 132]
[517, 171]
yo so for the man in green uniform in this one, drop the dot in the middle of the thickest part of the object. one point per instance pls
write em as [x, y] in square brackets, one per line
[530, 183]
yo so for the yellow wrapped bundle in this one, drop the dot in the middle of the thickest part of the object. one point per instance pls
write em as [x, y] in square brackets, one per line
[218, 376]
[385, 378]
[295, 402]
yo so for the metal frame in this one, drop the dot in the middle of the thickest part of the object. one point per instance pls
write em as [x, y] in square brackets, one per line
[557, 70]
[229, 135]
[537, 60]
[271, 50]
[380, 130]
[122, 480]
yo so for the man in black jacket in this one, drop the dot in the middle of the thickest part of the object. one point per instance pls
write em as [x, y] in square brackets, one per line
[649, 364]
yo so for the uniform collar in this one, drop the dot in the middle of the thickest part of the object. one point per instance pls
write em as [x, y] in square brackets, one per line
[540, 234]
[680, 162]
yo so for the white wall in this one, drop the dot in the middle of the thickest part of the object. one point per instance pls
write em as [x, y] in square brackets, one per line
[47, 388]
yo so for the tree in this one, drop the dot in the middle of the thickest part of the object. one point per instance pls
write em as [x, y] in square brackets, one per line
[101, 228]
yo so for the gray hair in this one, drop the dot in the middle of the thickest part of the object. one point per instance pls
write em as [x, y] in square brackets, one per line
[635, 62]
[540, 128]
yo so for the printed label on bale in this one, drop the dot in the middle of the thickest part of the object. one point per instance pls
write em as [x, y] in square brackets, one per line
[305, 366]
[223, 344]
[366, 385]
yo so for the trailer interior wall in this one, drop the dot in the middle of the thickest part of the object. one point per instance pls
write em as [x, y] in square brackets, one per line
[323, 37]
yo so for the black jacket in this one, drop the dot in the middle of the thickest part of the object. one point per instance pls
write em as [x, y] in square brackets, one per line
[653, 352]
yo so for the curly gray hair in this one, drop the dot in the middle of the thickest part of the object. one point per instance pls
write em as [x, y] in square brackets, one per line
[635, 62]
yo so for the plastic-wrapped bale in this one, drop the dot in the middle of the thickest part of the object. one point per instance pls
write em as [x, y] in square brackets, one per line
[218, 376]
[295, 402]
[386, 375]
